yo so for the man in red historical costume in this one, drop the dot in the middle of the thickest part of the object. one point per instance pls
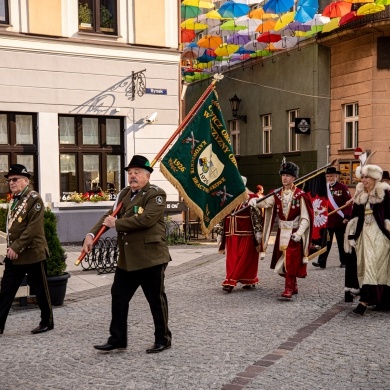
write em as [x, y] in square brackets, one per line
[240, 237]
[295, 219]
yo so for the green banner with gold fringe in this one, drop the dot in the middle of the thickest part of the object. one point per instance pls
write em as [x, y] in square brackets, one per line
[202, 166]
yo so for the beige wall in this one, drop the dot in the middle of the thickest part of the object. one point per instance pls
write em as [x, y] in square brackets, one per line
[44, 17]
[149, 19]
[355, 78]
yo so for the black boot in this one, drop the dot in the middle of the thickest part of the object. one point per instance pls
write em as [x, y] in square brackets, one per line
[360, 309]
[348, 296]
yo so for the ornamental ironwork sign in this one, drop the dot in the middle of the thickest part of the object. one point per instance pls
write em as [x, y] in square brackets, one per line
[101, 104]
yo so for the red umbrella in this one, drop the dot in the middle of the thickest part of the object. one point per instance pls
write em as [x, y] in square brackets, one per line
[268, 37]
[337, 9]
[349, 17]
[187, 35]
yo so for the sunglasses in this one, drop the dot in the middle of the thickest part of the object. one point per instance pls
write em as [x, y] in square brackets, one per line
[13, 180]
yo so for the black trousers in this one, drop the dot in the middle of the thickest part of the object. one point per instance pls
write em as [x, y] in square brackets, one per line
[125, 285]
[13, 277]
[339, 232]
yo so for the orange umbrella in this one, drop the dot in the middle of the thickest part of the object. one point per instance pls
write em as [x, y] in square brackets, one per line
[259, 13]
[210, 41]
[337, 9]
[266, 26]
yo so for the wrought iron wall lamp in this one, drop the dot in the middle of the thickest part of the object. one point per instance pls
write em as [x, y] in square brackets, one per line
[235, 105]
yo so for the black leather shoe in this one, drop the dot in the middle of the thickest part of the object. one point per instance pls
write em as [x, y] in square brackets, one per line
[158, 348]
[360, 309]
[42, 328]
[109, 347]
[316, 264]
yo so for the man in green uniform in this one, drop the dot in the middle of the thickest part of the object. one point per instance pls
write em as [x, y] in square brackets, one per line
[27, 248]
[143, 255]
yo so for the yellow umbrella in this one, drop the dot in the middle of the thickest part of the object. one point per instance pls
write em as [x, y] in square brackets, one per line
[203, 65]
[333, 24]
[226, 49]
[284, 20]
[199, 3]
[259, 13]
[190, 24]
[368, 9]
[213, 15]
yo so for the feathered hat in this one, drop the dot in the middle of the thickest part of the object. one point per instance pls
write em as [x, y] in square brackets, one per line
[288, 168]
[373, 171]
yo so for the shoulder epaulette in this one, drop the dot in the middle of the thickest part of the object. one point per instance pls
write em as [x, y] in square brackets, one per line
[155, 187]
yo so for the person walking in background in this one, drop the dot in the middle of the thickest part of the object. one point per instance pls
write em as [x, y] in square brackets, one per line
[27, 248]
[338, 195]
[294, 211]
[385, 177]
[143, 255]
[260, 190]
[369, 233]
[240, 238]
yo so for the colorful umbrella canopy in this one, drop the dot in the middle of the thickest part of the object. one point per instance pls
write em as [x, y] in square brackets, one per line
[295, 28]
[199, 3]
[269, 36]
[306, 10]
[349, 17]
[266, 26]
[231, 25]
[231, 9]
[259, 13]
[369, 8]
[382, 2]
[284, 20]
[337, 9]
[204, 58]
[210, 41]
[191, 24]
[187, 35]
[332, 25]
[278, 6]
[189, 11]
[226, 50]
[238, 39]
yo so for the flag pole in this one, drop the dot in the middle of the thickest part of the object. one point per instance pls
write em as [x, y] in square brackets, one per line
[189, 116]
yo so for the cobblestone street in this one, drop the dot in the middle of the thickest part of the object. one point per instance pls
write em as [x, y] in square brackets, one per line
[248, 339]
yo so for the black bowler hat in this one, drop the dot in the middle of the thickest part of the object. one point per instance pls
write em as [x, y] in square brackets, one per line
[139, 162]
[17, 169]
[332, 171]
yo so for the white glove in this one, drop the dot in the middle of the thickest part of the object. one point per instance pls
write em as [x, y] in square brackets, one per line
[219, 238]
[296, 237]
[252, 202]
[305, 260]
[352, 243]
[258, 236]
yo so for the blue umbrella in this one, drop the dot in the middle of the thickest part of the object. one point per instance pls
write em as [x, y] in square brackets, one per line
[306, 9]
[233, 10]
[205, 58]
[242, 50]
[278, 6]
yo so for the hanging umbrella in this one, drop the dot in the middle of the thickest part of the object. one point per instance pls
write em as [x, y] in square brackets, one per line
[318, 20]
[231, 25]
[266, 26]
[368, 9]
[286, 43]
[204, 58]
[198, 51]
[278, 6]
[359, 1]
[242, 50]
[187, 35]
[332, 25]
[349, 17]
[259, 13]
[210, 41]
[211, 22]
[255, 45]
[191, 24]
[189, 11]
[261, 53]
[306, 10]
[199, 3]
[284, 20]
[203, 65]
[295, 29]
[238, 39]
[226, 50]
[337, 9]
[382, 2]
[231, 9]
[268, 37]
[214, 15]
[248, 22]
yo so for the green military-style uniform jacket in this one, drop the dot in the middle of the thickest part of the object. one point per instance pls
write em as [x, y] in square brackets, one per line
[25, 228]
[141, 229]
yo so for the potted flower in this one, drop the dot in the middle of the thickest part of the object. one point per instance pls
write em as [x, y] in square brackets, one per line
[57, 278]
[85, 17]
[106, 20]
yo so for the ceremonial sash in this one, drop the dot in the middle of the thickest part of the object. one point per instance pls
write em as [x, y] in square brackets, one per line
[333, 203]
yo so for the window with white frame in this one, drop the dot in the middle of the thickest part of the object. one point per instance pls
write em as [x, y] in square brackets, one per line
[91, 154]
[266, 122]
[4, 17]
[351, 125]
[293, 139]
[235, 136]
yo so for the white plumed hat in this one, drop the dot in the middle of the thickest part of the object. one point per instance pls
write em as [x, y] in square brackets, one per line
[373, 171]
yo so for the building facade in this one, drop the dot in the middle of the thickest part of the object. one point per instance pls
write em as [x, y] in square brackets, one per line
[84, 86]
